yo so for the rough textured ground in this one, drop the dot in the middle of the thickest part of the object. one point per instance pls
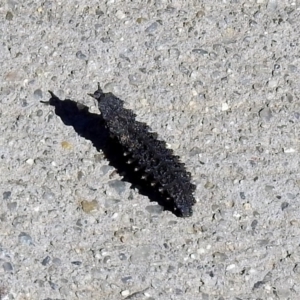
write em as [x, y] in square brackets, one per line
[219, 81]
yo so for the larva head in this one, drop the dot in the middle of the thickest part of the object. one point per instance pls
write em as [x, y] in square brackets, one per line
[97, 94]
[108, 104]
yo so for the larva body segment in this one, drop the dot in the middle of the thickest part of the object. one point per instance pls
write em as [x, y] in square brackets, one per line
[148, 153]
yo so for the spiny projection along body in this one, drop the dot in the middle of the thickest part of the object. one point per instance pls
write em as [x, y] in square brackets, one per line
[147, 153]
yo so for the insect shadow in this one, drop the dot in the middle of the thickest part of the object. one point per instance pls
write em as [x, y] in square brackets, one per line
[92, 127]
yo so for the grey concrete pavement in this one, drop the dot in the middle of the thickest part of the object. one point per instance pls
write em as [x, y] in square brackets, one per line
[219, 81]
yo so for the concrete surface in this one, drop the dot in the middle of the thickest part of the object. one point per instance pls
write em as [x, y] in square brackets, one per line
[219, 81]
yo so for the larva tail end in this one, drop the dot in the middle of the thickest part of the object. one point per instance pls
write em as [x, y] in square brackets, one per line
[185, 211]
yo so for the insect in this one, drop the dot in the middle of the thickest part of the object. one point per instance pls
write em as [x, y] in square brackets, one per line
[146, 153]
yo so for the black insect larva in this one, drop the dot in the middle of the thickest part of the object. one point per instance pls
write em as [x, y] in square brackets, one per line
[147, 153]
